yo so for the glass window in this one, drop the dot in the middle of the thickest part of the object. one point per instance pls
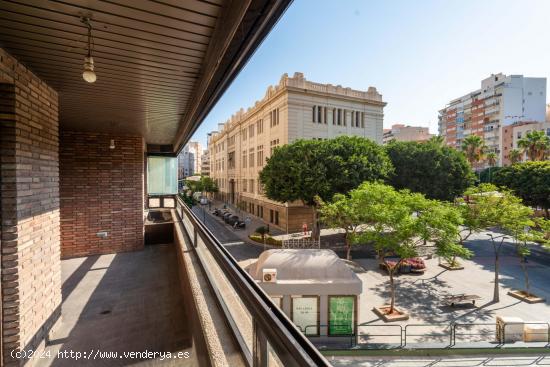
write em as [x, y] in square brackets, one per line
[341, 315]
[305, 314]
[162, 175]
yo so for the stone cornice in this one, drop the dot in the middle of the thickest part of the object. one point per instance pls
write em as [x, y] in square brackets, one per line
[297, 83]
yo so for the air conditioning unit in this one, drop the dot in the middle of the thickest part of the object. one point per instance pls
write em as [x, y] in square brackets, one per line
[269, 275]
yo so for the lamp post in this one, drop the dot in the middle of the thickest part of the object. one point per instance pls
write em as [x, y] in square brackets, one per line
[204, 202]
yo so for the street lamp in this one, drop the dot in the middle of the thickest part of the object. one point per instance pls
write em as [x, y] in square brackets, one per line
[203, 202]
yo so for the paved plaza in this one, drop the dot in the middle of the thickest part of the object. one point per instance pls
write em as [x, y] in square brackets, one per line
[421, 296]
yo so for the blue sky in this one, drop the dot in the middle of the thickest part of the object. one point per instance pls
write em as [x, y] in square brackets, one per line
[418, 53]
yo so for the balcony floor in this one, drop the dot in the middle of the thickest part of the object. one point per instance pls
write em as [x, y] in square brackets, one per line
[127, 302]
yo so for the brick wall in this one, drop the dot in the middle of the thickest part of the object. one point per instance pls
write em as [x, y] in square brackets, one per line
[29, 202]
[101, 191]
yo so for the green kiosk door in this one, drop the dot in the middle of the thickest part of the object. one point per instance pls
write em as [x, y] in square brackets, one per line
[341, 315]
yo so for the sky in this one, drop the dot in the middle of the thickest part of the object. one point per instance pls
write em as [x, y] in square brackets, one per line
[419, 54]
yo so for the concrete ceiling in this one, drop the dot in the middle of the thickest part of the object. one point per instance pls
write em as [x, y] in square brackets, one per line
[161, 64]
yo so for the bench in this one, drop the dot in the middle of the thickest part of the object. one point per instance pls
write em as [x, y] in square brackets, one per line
[460, 299]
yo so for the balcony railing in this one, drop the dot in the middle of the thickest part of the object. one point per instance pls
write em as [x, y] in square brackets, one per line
[264, 333]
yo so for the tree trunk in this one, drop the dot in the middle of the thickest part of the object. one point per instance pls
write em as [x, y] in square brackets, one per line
[525, 275]
[348, 246]
[392, 289]
[496, 293]
[315, 230]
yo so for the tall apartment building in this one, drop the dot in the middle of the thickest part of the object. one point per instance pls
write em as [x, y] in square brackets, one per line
[502, 100]
[190, 160]
[294, 109]
[401, 132]
[205, 163]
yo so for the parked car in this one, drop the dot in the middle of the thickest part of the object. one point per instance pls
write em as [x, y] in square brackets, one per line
[216, 212]
[226, 216]
[231, 219]
[239, 224]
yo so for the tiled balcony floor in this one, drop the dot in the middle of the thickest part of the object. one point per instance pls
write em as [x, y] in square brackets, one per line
[127, 302]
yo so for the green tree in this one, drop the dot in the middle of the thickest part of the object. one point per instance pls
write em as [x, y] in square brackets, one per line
[515, 155]
[536, 144]
[437, 171]
[491, 158]
[309, 169]
[342, 212]
[474, 147]
[498, 209]
[437, 140]
[399, 223]
[262, 231]
[208, 185]
[530, 181]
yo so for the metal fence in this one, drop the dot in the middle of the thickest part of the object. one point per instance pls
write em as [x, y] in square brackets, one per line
[301, 243]
[437, 336]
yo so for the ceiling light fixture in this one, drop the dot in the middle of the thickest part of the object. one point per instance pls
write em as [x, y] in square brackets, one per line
[89, 74]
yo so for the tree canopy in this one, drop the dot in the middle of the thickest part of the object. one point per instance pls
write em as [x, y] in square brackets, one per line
[474, 148]
[535, 144]
[435, 170]
[489, 207]
[305, 169]
[205, 184]
[342, 212]
[399, 223]
[528, 180]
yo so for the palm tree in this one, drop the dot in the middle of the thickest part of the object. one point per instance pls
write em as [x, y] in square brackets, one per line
[492, 161]
[437, 140]
[515, 155]
[535, 144]
[473, 146]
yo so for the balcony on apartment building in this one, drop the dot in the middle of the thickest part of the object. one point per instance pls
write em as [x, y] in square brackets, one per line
[98, 253]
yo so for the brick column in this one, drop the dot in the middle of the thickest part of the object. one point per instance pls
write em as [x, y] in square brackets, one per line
[29, 207]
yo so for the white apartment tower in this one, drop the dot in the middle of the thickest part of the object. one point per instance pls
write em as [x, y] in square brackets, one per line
[502, 100]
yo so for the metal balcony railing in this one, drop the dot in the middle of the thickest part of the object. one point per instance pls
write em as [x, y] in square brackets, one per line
[264, 333]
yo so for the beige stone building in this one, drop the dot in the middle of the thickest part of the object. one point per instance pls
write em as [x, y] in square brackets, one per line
[294, 109]
[401, 132]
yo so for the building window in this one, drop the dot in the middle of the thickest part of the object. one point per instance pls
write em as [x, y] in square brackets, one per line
[259, 127]
[260, 190]
[339, 116]
[271, 216]
[276, 217]
[319, 113]
[362, 119]
[519, 134]
[251, 182]
[244, 158]
[313, 115]
[260, 155]
[245, 184]
[231, 160]
[251, 158]
[273, 144]
[334, 116]
[274, 117]
[243, 135]
[251, 130]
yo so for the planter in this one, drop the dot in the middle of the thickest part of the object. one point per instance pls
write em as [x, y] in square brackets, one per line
[450, 267]
[397, 315]
[526, 297]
